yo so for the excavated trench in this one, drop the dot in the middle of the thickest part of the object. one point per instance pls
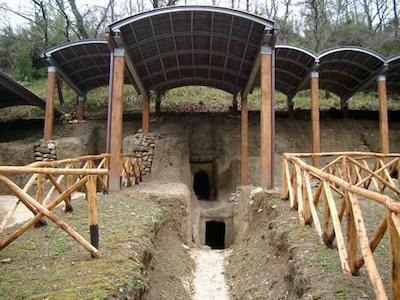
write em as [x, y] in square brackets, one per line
[205, 158]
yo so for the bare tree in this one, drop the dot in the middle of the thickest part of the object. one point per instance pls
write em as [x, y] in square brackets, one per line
[79, 20]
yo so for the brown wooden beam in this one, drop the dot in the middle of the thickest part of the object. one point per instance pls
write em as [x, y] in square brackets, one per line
[117, 100]
[266, 120]
[146, 114]
[315, 116]
[49, 114]
[383, 115]
[81, 108]
[245, 142]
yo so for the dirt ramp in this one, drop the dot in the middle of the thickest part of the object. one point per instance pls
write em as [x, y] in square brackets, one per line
[279, 259]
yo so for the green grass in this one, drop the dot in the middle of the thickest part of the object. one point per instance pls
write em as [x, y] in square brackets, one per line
[48, 264]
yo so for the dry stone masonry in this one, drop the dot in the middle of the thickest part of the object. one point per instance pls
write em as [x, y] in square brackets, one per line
[45, 150]
[142, 146]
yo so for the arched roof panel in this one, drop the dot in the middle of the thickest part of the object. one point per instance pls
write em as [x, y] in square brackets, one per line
[347, 70]
[84, 64]
[14, 94]
[177, 43]
[393, 75]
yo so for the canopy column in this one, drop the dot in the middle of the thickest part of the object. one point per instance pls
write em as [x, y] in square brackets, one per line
[244, 163]
[267, 121]
[314, 81]
[234, 103]
[81, 108]
[344, 107]
[383, 114]
[117, 99]
[158, 103]
[290, 106]
[49, 114]
[146, 114]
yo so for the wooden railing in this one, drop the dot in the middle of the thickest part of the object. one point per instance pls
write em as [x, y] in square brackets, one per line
[52, 182]
[131, 170]
[350, 177]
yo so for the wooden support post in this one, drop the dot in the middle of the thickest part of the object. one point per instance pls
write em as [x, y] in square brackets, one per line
[383, 114]
[117, 100]
[244, 142]
[158, 103]
[266, 119]
[344, 107]
[91, 197]
[315, 117]
[393, 222]
[49, 114]
[146, 114]
[81, 108]
[234, 103]
[290, 107]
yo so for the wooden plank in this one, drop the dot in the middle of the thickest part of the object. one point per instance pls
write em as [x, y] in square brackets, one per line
[394, 242]
[244, 161]
[338, 230]
[116, 120]
[328, 234]
[315, 133]
[383, 115]
[266, 123]
[366, 250]
[49, 113]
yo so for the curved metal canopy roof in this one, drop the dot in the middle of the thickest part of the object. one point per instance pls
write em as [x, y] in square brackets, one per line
[393, 74]
[83, 64]
[192, 45]
[345, 71]
[292, 67]
[14, 94]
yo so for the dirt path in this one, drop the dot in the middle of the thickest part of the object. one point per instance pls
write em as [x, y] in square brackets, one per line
[209, 280]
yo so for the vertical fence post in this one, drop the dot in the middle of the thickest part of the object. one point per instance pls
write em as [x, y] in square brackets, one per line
[393, 222]
[91, 197]
[146, 114]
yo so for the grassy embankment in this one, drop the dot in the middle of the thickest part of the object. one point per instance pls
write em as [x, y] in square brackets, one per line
[45, 263]
[185, 99]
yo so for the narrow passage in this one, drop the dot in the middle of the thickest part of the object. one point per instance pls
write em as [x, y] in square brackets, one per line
[209, 280]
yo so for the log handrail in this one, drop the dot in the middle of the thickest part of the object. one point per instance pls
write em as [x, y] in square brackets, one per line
[349, 174]
[63, 177]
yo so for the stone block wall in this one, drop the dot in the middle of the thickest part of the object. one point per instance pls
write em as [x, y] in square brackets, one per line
[45, 150]
[142, 146]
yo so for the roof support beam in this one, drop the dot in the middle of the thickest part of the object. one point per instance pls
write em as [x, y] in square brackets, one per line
[49, 114]
[383, 115]
[129, 64]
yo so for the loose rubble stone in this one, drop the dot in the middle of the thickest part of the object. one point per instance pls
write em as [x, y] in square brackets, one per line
[45, 151]
[142, 146]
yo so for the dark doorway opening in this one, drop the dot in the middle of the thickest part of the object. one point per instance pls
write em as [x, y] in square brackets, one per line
[215, 234]
[201, 185]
